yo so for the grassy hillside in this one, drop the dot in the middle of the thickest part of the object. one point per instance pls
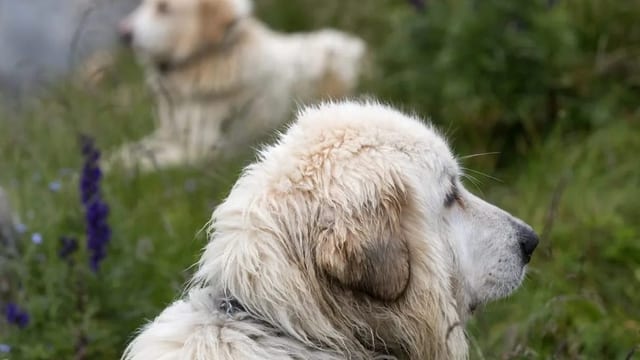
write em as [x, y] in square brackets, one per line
[553, 88]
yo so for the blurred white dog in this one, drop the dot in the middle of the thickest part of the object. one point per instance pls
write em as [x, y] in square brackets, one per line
[222, 79]
[351, 238]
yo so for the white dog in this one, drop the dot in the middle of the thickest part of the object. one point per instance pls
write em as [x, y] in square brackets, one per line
[222, 79]
[351, 238]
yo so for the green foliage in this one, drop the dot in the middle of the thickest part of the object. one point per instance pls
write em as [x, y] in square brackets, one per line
[156, 222]
[504, 73]
[581, 296]
[554, 88]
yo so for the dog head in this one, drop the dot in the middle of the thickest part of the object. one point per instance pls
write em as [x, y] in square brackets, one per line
[174, 30]
[357, 224]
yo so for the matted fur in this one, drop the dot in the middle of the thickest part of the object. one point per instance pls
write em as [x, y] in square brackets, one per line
[222, 79]
[342, 242]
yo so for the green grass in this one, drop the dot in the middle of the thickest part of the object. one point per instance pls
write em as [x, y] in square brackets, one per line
[156, 221]
[577, 181]
[580, 299]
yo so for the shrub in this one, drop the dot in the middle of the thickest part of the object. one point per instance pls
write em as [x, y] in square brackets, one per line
[502, 74]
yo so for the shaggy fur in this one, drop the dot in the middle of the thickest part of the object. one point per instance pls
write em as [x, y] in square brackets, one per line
[222, 79]
[351, 238]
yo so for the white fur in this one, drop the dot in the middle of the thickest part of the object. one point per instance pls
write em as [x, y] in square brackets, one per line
[243, 7]
[341, 170]
[220, 104]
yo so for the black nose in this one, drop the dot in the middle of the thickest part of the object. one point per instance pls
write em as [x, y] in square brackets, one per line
[528, 240]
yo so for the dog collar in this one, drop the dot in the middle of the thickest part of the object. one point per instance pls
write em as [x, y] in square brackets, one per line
[231, 306]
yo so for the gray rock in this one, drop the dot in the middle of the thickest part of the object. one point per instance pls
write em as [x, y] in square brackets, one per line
[7, 247]
[43, 40]
[7, 225]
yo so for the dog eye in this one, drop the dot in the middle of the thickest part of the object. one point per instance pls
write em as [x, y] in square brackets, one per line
[162, 7]
[452, 196]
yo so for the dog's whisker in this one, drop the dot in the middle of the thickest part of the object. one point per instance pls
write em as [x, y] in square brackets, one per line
[483, 174]
[478, 154]
[474, 181]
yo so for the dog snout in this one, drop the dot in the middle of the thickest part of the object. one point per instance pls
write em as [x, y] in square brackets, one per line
[528, 240]
[125, 33]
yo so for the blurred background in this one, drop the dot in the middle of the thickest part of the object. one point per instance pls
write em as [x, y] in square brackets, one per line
[540, 98]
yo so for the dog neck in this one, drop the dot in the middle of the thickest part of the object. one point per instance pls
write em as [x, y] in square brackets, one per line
[235, 310]
[165, 67]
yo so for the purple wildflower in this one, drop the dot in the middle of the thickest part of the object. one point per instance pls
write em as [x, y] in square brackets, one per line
[4, 348]
[21, 228]
[96, 210]
[68, 246]
[55, 186]
[16, 316]
[36, 238]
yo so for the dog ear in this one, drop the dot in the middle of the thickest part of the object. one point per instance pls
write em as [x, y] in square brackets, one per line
[364, 247]
[216, 17]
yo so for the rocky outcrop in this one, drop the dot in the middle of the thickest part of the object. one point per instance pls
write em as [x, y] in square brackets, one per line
[7, 226]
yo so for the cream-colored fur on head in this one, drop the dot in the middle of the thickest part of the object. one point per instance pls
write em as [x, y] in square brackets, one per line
[351, 238]
[223, 80]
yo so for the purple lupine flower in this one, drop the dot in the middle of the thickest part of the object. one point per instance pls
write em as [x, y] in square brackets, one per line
[68, 245]
[96, 210]
[16, 316]
[5, 349]
[91, 173]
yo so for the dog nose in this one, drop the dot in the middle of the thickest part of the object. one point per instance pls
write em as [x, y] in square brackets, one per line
[125, 33]
[528, 241]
